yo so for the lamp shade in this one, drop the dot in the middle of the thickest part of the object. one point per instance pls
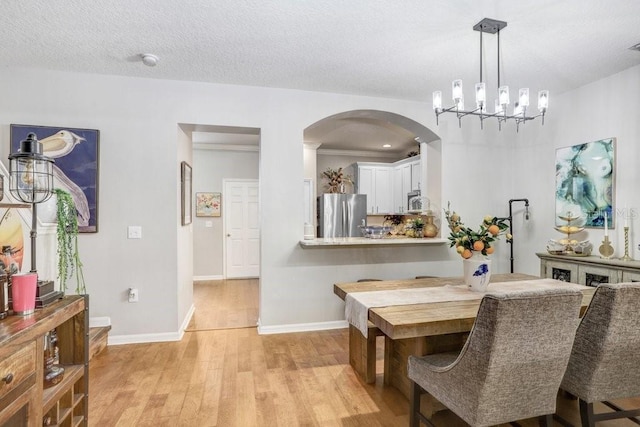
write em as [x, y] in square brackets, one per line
[30, 172]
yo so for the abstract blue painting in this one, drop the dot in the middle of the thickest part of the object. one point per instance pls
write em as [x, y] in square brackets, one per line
[585, 177]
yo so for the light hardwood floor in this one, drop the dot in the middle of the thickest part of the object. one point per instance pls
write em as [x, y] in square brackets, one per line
[235, 377]
[222, 304]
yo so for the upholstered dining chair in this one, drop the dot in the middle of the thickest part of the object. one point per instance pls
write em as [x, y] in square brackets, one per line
[606, 353]
[511, 365]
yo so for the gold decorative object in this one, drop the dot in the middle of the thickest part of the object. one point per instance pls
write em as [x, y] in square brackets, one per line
[626, 256]
[430, 228]
[568, 245]
[606, 250]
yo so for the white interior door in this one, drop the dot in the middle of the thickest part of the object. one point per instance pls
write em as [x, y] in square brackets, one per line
[242, 229]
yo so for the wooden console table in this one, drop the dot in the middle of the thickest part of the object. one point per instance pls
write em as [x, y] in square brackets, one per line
[23, 399]
[590, 270]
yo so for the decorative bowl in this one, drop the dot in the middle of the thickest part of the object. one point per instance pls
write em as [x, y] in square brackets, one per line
[582, 248]
[375, 231]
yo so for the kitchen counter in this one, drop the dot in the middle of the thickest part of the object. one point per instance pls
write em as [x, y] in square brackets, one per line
[363, 242]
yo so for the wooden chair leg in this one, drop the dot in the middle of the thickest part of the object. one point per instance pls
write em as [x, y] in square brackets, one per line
[586, 414]
[545, 420]
[414, 405]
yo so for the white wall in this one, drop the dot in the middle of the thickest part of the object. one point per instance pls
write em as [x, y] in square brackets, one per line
[141, 148]
[603, 109]
[209, 169]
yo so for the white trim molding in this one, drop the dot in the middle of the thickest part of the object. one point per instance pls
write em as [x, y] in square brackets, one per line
[301, 327]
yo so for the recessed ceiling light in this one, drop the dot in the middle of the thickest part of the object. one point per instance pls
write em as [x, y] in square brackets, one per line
[386, 146]
[149, 59]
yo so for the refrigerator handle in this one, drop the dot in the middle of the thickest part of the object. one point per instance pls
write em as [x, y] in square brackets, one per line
[345, 218]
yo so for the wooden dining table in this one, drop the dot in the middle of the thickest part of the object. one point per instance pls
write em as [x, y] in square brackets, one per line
[416, 329]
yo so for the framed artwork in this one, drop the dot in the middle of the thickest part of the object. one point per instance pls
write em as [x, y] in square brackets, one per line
[186, 181]
[208, 204]
[76, 155]
[585, 178]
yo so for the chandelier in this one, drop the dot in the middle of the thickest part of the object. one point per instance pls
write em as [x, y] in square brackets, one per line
[519, 112]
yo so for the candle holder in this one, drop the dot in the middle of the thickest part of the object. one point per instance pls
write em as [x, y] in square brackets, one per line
[626, 256]
[606, 250]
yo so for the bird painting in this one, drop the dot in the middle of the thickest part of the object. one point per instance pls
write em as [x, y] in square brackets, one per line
[58, 145]
[75, 171]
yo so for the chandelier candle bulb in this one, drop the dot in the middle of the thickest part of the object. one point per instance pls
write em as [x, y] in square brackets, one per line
[456, 91]
[437, 100]
[517, 109]
[543, 100]
[503, 95]
[523, 96]
[481, 95]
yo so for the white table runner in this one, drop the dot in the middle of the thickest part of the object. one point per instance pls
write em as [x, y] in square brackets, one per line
[358, 303]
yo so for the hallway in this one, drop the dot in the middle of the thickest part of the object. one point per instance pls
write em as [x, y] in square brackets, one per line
[224, 304]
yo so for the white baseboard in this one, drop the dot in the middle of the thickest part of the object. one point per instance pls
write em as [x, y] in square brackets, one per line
[99, 322]
[144, 338]
[203, 278]
[262, 330]
[187, 319]
[161, 337]
[302, 327]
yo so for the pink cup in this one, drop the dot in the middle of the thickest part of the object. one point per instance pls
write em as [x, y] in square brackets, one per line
[23, 293]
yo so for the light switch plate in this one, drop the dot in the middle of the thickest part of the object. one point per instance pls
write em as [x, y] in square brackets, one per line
[134, 232]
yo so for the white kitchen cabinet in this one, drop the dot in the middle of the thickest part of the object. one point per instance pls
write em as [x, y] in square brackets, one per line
[374, 180]
[416, 177]
[401, 186]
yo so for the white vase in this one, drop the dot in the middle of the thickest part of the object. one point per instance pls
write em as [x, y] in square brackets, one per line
[477, 272]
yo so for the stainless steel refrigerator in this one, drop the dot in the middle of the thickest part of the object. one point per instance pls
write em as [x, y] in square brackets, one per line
[339, 215]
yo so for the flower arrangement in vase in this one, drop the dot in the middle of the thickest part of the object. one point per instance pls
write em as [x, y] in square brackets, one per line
[469, 242]
[337, 180]
[474, 246]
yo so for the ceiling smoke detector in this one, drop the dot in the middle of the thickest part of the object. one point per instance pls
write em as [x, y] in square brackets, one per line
[149, 59]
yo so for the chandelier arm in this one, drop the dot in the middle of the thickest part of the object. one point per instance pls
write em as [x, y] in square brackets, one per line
[462, 113]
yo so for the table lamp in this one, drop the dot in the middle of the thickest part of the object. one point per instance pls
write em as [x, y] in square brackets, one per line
[31, 181]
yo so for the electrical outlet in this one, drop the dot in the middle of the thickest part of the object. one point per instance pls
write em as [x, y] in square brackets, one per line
[133, 295]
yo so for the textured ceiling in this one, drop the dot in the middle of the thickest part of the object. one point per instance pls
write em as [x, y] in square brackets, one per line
[386, 48]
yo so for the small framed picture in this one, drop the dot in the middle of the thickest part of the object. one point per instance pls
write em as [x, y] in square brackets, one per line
[208, 204]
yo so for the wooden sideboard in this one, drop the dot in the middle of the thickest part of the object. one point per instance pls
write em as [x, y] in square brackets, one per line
[24, 401]
[589, 270]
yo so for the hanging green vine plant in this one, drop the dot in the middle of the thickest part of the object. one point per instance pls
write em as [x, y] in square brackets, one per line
[67, 232]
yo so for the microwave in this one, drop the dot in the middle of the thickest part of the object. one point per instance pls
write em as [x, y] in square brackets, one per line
[414, 201]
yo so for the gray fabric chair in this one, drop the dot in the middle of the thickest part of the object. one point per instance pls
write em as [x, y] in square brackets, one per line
[510, 367]
[605, 360]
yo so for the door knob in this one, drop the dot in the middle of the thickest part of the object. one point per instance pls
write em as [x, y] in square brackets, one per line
[228, 235]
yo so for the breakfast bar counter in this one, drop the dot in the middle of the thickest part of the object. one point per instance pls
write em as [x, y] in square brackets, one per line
[364, 242]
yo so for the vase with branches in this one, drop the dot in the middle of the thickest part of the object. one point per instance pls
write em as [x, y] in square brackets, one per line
[337, 180]
[67, 234]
